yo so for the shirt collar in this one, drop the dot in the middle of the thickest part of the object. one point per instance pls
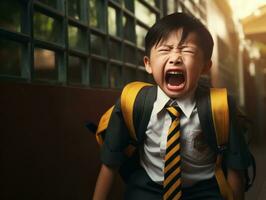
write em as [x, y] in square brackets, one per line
[186, 104]
[160, 101]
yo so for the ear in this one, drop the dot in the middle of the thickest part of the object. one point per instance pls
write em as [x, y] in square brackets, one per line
[147, 64]
[207, 67]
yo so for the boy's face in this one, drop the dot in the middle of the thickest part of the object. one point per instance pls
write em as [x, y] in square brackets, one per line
[176, 67]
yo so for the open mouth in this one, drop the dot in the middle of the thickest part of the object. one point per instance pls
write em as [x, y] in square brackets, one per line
[175, 78]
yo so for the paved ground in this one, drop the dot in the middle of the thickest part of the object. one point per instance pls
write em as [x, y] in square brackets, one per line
[258, 191]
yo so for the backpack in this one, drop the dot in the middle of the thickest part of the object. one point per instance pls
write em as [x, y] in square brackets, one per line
[220, 117]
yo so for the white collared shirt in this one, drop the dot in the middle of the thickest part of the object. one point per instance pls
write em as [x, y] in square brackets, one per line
[197, 160]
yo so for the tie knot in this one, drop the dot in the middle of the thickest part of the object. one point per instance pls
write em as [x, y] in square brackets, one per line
[174, 111]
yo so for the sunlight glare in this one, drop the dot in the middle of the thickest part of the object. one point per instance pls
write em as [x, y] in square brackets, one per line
[244, 8]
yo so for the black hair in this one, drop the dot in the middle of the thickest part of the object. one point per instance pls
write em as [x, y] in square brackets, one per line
[163, 27]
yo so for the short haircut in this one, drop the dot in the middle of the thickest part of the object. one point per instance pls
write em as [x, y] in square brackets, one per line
[163, 27]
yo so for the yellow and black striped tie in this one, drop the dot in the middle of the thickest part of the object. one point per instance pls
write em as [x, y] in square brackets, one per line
[172, 169]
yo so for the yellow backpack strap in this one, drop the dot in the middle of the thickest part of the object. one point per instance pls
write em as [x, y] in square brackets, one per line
[220, 116]
[104, 121]
[128, 97]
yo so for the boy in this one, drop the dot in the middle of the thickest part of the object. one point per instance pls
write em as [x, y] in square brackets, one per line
[178, 51]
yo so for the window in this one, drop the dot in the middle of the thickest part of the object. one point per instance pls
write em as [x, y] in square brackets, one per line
[98, 73]
[171, 6]
[45, 64]
[115, 76]
[51, 3]
[140, 57]
[129, 74]
[115, 49]
[130, 54]
[74, 72]
[46, 28]
[129, 4]
[128, 27]
[10, 15]
[74, 9]
[145, 14]
[75, 42]
[10, 58]
[77, 38]
[96, 14]
[98, 44]
[140, 32]
[195, 7]
[113, 21]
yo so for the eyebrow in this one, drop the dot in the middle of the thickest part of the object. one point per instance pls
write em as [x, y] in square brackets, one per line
[181, 46]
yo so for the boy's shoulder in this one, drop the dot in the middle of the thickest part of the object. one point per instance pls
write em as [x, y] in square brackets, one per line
[134, 107]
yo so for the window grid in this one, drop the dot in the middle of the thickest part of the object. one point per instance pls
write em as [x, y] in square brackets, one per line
[70, 36]
[193, 8]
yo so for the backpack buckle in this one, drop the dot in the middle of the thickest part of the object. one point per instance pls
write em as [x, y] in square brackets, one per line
[221, 149]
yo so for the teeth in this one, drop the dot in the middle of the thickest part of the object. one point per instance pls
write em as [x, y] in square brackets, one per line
[175, 73]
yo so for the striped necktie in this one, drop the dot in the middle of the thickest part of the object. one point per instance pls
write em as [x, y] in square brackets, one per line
[172, 169]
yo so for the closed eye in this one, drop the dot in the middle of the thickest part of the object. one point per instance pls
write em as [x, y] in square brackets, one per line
[186, 50]
[163, 50]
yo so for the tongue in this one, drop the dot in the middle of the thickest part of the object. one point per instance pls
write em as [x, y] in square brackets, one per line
[176, 80]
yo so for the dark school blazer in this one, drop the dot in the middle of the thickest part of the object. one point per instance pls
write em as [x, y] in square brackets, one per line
[117, 138]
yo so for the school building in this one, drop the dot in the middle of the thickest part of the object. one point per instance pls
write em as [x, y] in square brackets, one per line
[64, 62]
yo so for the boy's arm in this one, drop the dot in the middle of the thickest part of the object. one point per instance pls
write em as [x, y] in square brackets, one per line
[112, 153]
[104, 183]
[236, 181]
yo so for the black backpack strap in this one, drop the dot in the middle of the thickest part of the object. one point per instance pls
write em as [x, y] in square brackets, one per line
[205, 116]
[142, 110]
[210, 114]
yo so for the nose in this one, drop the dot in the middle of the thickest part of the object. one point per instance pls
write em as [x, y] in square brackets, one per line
[176, 59]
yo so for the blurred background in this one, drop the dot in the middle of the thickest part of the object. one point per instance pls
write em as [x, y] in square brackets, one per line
[63, 62]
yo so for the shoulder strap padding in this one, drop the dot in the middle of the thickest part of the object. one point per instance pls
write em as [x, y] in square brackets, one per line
[128, 97]
[220, 116]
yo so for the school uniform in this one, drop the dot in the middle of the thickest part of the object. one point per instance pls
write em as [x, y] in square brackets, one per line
[145, 179]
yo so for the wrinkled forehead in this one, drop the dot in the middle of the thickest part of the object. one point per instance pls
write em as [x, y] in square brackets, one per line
[180, 35]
